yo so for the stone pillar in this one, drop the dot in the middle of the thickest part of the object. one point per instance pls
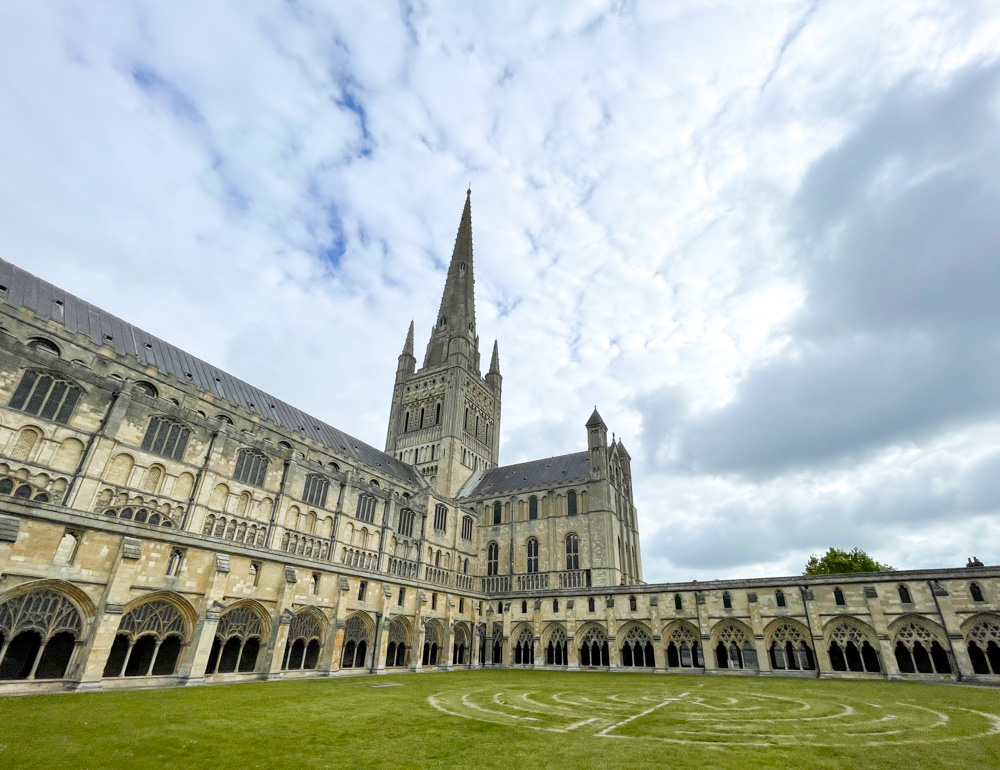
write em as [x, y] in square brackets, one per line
[815, 623]
[474, 644]
[279, 640]
[338, 644]
[572, 653]
[706, 632]
[335, 636]
[659, 654]
[417, 654]
[614, 654]
[383, 645]
[108, 614]
[882, 630]
[196, 660]
[759, 642]
[953, 628]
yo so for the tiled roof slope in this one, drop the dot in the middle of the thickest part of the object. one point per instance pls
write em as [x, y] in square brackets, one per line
[537, 473]
[26, 290]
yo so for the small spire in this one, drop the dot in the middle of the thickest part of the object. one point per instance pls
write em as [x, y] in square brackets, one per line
[495, 362]
[595, 419]
[408, 347]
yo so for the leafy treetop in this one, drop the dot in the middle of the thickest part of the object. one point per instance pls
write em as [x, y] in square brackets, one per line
[836, 561]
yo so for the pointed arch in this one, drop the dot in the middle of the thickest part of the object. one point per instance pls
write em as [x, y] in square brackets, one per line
[184, 608]
[84, 604]
[256, 608]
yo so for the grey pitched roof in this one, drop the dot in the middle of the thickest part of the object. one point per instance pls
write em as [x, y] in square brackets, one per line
[537, 473]
[77, 316]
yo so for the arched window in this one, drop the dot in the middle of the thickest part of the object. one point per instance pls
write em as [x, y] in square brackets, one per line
[572, 551]
[532, 550]
[149, 642]
[976, 592]
[174, 562]
[492, 559]
[67, 548]
[590, 604]
[838, 597]
[303, 646]
[437, 559]
[237, 642]
[497, 513]
[904, 595]
[406, 519]
[779, 597]
[145, 388]
[631, 604]
[166, 437]
[524, 608]
[151, 478]
[467, 528]
[316, 490]
[421, 418]
[440, 518]
[46, 396]
[251, 467]
[39, 631]
[44, 345]
[437, 414]
[532, 507]
[571, 503]
[366, 508]
[678, 602]
[25, 443]
[555, 605]
[406, 422]
[727, 601]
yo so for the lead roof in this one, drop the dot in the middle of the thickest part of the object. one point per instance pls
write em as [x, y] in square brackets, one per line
[548, 471]
[48, 302]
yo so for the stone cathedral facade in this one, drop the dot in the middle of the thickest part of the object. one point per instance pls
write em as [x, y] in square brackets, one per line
[164, 523]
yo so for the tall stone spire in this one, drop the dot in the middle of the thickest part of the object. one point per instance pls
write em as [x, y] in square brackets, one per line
[407, 362]
[495, 361]
[408, 345]
[454, 333]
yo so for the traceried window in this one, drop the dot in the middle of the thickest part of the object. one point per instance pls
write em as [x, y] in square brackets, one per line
[572, 551]
[316, 491]
[571, 503]
[440, 518]
[497, 514]
[532, 549]
[46, 396]
[39, 631]
[406, 519]
[532, 507]
[492, 559]
[251, 467]
[467, 528]
[366, 508]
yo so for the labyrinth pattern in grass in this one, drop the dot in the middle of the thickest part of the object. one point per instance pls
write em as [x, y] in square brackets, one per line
[743, 718]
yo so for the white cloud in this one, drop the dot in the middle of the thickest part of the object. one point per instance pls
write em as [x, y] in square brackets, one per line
[277, 188]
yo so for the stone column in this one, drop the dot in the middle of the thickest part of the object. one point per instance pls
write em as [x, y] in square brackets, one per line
[108, 615]
[279, 640]
[659, 654]
[759, 642]
[706, 632]
[953, 628]
[383, 645]
[614, 654]
[815, 623]
[882, 630]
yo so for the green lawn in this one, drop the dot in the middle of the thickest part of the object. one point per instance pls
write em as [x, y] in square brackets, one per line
[511, 719]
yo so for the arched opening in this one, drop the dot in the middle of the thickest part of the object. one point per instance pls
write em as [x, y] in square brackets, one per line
[248, 659]
[312, 654]
[55, 656]
[903, 659]
[141, 659]
[870, 658]
[296, 654]
[853, 656]
[360, 653]
[348, 656]
[230, 656]
[939, 659]
[922, 659]
[837, 660]
[978, 658]
[116, 658]
[167, 656]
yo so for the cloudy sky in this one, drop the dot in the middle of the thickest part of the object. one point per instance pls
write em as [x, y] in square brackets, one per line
[763, 237]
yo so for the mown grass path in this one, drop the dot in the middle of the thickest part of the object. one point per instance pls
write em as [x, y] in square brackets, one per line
[511, 719]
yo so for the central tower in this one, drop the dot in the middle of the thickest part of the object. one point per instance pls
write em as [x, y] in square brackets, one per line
[445, 417]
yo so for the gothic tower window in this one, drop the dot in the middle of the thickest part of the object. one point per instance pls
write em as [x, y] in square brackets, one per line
[572, 551]
[779, 597]
[366, 508]
[406, 518]
[532, 507]
[467, 528]
[678, 602]
[492, 559]
[46, 396]
[727, 601]
[440, 518]
[571, 503]
[532, 552]
[166, 437]
[497, 514]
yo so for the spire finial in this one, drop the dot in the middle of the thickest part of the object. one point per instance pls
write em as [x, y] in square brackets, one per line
[408, 346]
[495, 362]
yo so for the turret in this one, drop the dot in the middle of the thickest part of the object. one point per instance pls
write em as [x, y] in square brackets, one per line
[493, 377]
[597, 444]
[407, 362]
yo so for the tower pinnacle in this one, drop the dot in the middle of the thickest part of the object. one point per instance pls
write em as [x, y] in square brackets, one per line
[408, 346]
[495, 361]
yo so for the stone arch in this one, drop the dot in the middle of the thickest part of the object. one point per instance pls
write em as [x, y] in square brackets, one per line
[789, 645]
[635, 640]
[184, 608]
[151, 636]
[920, 646]
[682, 641]
[461, 646]
[397, 653]
[733, 645]
[40, 623]
[24, 443]
[852, 645]
[242, 633]
[120, 469]
[522, 644]
[306, 631]
[68, 455]
[359, 632]
[982, 638]
[592, 641]
[555, 644]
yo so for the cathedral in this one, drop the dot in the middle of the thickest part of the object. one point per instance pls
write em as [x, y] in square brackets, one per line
[164, 523]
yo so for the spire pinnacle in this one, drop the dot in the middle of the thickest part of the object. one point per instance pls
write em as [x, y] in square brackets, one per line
[408, 346]
[495, 361]
[457, 315]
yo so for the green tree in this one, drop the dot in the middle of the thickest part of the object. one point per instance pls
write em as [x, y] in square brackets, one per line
[836, 562]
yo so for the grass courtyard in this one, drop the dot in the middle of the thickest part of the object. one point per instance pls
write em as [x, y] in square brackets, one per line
[511, 719]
